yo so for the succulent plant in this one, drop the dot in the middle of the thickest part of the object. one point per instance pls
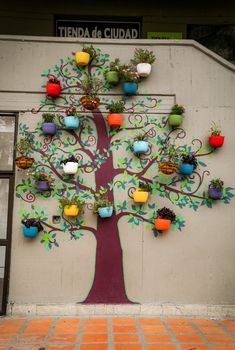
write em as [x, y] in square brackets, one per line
[69, 159]
[176, 109]
[217, 183]
[166, 213]
[48, 117]
[215, 130]
[143, 56]
[189, 159]
[116, 107]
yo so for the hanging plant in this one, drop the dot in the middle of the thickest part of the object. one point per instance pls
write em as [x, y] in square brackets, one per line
[103, 207]
[70, 165]
[53, 87]
[216, 140]
[84, 57]
[141, 195]
[176, 116]
[130, 79]
[115, 117]
[90, 87]
[71, 120]
[215, 190]
[140, 145]
[43, 180]
[165, 218]
[143, 59]
[169, 159]
[72, 206]
[188, 164]
[31, 227]
[113, 73]
[48, 125]
[23, 146]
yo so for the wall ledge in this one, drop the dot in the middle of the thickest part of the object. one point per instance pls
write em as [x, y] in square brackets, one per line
[165, 309]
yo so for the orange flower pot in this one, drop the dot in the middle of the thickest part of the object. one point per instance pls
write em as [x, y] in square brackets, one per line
[71, 210]
[140, 196]
[162, 224]
[115, 120]
[24, 162]
[82, 58]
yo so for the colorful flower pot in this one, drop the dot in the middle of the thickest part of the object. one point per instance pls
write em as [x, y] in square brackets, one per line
[112, 77]
[140, 196]
[53, 90]
[175, 120]
[42, 185]
[71, 210]
[49, 128]
[71, 122]
[129, 88]
[24, 162]
[215, 193]
[162, 224]
[168, 168]
[143, 69]
[30, 232]
[140, 146]
[115, 120]
[105, 212]
[70, 168]
[82, 58]
[186, 169]
[89, 102]
[216, 141]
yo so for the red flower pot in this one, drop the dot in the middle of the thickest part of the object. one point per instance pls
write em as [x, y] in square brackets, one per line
[162, 224]
[216, 141]
[53, 90]
[115, 120]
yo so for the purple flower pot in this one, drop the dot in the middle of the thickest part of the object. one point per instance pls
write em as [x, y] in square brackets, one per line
[49, 128]
[42, 185]
[215, 193]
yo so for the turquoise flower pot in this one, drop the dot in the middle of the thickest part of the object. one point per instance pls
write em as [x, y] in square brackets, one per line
[105, 212]
[129, 88]
[71, 122]
[186, 169]
[30, 232]
[140, 146]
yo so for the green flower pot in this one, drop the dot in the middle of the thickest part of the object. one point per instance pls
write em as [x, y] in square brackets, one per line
[112, 77]
[175, 119]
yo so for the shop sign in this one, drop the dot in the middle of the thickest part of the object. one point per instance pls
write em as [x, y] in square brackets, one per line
[164, 35]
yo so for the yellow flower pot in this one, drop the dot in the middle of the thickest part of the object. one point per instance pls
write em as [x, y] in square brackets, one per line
[82, 58]
[140, 196]
[71, 210]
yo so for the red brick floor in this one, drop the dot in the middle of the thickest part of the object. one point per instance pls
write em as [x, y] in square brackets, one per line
[144, 333]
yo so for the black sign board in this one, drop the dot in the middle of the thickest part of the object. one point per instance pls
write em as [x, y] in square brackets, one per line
[79, 28]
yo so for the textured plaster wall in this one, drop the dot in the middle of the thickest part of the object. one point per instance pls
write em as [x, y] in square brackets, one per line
[195, 266]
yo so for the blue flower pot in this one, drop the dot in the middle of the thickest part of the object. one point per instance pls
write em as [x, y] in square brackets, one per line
[71, 122]
[140, 146]
[129, 88]
[105, 212]
[49, 128]
[42, 186]
[30, 232]
[186, 169]
[215, 193]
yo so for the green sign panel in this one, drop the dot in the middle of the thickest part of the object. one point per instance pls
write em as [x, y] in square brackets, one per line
[164, 35]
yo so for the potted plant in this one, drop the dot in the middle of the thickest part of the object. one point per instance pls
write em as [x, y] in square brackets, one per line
[48, 126]
[113, 74]
[70, 165]
[23, 146]
[169, 159]
[90, 86]
[141, 194]
[31, 227]
[164, 219]
[71, 120]
[115, 117]
[44, 181]
[215, 189]
[53, 87]
[103, 207]
[188, 164]
[85, 56]
[143, 59]
[176, 116]
[140, 144]
[73, 206]
[216, 140]
[130, 80]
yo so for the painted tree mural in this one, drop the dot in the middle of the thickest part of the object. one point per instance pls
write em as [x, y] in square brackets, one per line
[106, 161]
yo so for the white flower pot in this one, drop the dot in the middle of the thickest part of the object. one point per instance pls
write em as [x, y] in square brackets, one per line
[144, 69]
[70, 168]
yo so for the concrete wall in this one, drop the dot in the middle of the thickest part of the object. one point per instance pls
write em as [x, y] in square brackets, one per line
[195, 266]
